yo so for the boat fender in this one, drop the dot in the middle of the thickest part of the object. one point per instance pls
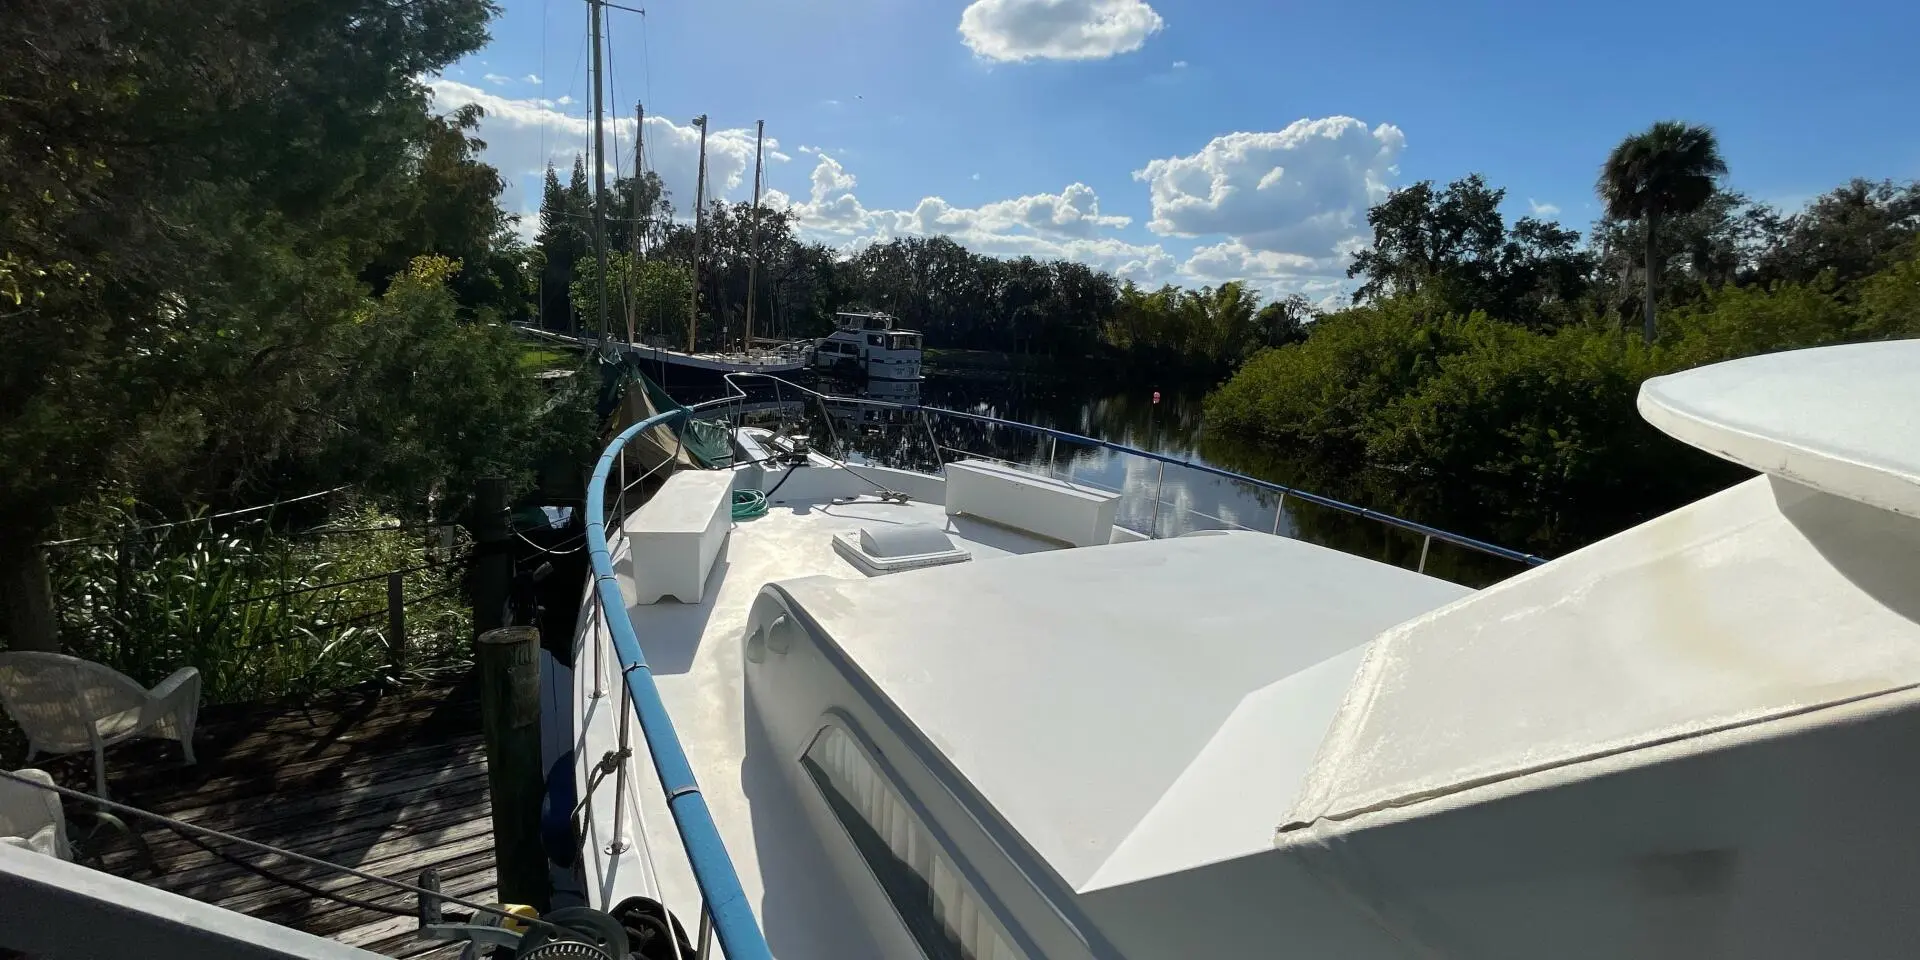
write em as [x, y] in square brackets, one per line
[646, 923]
[556, 813]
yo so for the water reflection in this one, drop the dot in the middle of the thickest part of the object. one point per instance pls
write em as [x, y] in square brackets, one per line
[1168, 499]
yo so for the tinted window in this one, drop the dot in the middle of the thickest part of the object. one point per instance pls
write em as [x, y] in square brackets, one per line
[939, 907]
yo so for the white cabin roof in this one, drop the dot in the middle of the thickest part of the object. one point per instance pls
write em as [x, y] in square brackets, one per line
[1688, 739]
[1843, 419]
[1761, 602]
[1078, 697]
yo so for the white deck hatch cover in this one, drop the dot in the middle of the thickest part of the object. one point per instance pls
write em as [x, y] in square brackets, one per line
[891, 547]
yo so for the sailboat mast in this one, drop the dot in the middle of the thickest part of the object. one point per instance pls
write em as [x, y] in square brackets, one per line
[753, 263]
[634, 229]
[599, 174]
[699, 218]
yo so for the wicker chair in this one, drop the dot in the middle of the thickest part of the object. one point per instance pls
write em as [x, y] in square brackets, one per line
[69, 705]
[30, 818]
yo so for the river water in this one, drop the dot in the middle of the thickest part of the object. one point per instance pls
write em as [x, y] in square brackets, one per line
[1167, 498]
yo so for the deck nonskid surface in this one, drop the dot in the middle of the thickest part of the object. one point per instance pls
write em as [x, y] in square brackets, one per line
[694, 651]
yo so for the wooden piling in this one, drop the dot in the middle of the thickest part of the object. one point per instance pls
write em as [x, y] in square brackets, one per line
[508, 659]
[492, 555]
[397, 622]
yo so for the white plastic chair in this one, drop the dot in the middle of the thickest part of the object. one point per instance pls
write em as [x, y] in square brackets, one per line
[68, 705]
[30, 818]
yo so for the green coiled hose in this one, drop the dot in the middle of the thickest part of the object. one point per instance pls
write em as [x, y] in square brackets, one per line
[748, 504]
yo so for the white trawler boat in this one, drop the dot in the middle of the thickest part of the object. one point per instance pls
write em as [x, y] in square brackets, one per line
[867, 345]
[966, 715]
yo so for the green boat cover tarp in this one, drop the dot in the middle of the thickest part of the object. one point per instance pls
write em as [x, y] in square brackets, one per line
[628, 396]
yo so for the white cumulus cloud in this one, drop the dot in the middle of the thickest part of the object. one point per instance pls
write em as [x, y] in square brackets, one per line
[1020, 30]
[1539, 209]
[1048, 226]
[1233, 260]
[1303, 190]
[531, 78]
[515, 130]
[496, 79]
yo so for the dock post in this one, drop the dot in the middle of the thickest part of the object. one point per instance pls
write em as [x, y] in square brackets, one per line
[397, 622]
[492, 555]
[509, 663]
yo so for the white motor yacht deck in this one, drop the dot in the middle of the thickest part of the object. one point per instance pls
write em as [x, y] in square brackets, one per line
[913, 721]
[695, 655]
[1007, 659]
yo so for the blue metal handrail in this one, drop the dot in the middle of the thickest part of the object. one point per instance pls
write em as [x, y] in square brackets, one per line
[1411, 526]
[725, 901]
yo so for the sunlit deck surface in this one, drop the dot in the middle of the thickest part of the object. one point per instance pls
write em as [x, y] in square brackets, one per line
[386, 783]
[694, 651]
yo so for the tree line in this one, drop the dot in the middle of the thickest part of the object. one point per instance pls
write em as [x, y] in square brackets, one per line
[1075, 316]
[242, 258]
[1491, 369]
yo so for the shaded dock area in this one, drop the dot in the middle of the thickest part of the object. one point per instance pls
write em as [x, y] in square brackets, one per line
[389, 783]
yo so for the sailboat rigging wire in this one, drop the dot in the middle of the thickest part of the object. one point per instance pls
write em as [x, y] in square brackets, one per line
[615, 6]
[179, 825]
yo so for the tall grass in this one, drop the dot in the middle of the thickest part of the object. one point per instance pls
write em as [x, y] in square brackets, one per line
[262, 612]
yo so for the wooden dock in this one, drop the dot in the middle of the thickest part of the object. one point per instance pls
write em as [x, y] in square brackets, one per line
[389, 784]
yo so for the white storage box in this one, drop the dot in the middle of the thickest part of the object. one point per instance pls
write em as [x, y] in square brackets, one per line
[673, 539]
[1025, 501]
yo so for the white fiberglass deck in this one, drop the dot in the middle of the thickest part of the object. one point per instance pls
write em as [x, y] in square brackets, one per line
[695, 654]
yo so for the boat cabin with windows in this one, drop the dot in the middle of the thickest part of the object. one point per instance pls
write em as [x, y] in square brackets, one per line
[867, 345]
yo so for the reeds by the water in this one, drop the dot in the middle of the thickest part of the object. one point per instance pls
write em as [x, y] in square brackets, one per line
[263, 612]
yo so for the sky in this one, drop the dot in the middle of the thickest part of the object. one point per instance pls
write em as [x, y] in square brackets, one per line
[1189, 141]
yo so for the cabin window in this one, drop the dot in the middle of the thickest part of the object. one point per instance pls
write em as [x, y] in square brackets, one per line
[876, 339]
[905, 341]
[938, 905]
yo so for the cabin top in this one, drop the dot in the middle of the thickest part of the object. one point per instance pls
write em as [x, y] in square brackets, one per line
[1771, 598]
[863, 321]
[1129, 657]
[1759, 603]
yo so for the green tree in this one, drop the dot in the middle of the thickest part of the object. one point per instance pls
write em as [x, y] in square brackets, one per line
[419, 399]
[1851, 232]
[561, 242]
[190, 210]
[1284, 321]
[1890, 300]
[1320, 395]
[657, 293]
[1669, 169]
[1454, 247]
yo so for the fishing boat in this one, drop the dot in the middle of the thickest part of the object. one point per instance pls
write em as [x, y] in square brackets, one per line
[961, 712]
[867, 346]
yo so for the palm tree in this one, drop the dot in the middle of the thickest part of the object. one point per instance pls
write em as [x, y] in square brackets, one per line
[1669, 170]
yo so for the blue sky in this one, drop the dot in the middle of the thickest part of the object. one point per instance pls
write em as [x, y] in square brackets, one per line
[1190, 141]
